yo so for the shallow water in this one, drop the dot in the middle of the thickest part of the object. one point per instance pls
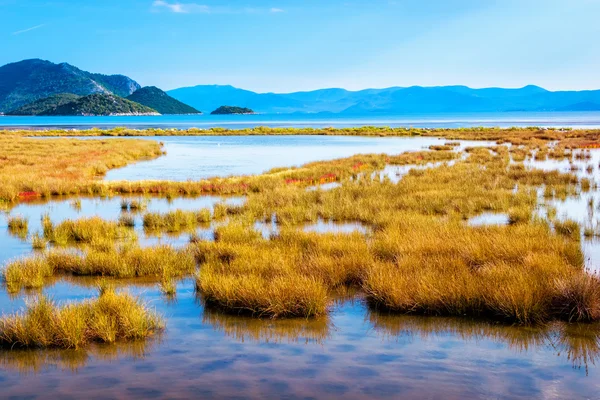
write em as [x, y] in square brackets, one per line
[199, 157]
[353, 353]
[489, 219]
[106, 208]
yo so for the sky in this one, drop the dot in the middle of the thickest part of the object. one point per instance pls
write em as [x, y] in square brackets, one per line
[295, 45]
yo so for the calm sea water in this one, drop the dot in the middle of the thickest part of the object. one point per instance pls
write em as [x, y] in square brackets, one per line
[353, 353]
[454, 120]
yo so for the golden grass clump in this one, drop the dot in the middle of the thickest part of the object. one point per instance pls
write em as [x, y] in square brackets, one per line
[501, 272]
[176, 221]
[18, 225]
[110, 318]
[93, 230]
[568, 228]
[281, 296]
[27, 273]
[258, 278]
[130, 262]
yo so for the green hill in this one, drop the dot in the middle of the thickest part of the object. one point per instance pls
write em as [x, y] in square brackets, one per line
[27, 81]
[227, 110]
[44, 105]
[158, 100]
[101, 104]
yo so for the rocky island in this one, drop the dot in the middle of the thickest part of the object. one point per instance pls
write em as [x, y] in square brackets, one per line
[100, 104]
[231, 110]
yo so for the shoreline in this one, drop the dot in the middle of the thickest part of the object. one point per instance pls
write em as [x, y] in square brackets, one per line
[366, 130]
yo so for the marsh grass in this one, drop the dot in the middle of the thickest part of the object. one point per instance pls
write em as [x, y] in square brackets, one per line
[126, 220]
[26, 169]
[419, 256]
[76, 204]
[110, 318]
[18, 226]
[38, 242]
[168, 287]
[568, 228]
[93, 230]
[129, 262]
[176, 221]
[134, 205]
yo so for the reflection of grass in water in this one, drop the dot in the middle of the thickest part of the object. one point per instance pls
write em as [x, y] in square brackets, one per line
[28, 362]
[580, 343]
[521, 338]
[245, 328]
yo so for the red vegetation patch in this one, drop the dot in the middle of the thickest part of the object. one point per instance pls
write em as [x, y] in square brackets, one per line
[312, 181]
[29, 195]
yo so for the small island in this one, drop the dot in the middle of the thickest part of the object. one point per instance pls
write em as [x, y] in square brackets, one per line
[230, 110]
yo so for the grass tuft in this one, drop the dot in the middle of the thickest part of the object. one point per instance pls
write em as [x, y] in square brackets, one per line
[110, 318]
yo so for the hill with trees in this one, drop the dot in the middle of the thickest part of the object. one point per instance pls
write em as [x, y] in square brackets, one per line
[160, 101]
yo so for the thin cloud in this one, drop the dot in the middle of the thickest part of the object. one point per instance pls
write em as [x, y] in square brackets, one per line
[195, 8]
[28, 29]
[181, 8]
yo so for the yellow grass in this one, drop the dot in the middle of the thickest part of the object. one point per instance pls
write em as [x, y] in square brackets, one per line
[109, 318]
[44, 167]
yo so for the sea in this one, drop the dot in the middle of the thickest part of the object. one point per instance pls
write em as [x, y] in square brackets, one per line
[579, 120]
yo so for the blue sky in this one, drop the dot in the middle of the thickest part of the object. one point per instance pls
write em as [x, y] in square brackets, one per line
[289, 45]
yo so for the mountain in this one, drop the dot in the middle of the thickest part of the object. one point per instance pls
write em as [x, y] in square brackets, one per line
[214, 96]
[160, 101]
[231, 110]
[101, 104]
[27, 81]
[45, 105]
[393, 100]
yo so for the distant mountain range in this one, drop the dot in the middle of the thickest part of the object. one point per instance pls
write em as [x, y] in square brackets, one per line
[158, 100]
[38, 87]
[394, 100]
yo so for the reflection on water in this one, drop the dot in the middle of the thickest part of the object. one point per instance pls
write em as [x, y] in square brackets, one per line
[27, 362]
[352, 353]
[244, 328]
[577, 343]
[59, 210]
[322, 226]
[489, 218]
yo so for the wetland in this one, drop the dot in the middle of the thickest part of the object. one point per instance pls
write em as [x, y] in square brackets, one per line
[351, 263]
